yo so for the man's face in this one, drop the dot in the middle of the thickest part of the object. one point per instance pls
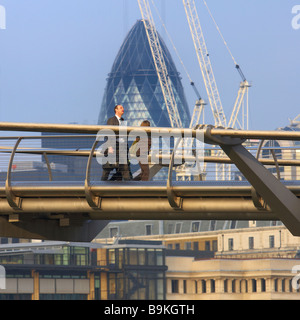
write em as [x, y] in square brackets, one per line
[119, 111]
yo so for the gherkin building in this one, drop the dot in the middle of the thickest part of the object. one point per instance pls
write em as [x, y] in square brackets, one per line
[133, 82]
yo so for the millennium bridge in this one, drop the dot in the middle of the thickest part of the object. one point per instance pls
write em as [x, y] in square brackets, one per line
[42, 205]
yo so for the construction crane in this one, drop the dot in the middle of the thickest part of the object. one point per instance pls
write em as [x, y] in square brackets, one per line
[209, 79]
[200, 103]
[204, 62]
[187, 170]
[198, 109]
[160, 64]
[161, 69]
[207, 73]
[243, 90]
[244, 85]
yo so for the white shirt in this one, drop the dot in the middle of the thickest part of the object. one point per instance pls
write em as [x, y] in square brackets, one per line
[119, 119]
[121, 140]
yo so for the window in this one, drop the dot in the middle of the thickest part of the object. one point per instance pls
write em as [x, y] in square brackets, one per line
[212, 285]
[174, 286]
[233, 224]
[112, 285]
[178, 227]
[251, 242]
[159, 257]
[290, 285]
[184, 286]
[196, 246]
[207, 246]
[121, 257]
[271, 241]
[233, 286]
[212, 225]
[226, 285]
[195, 226]
[230, 244]
[263, 285]
[160, 286]
[214, 245]
[203, 282]
[188, 246]
[142, 256]
[276, 285]
[4, 240]
[113, 232]
[177, 246]
[151, 257]
[133, 258]
[170, 229]
[283, 285]
[148, 229]
[254, 285]
[111, 256]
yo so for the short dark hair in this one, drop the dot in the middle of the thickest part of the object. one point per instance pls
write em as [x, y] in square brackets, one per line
[145, 123]
[116, 107]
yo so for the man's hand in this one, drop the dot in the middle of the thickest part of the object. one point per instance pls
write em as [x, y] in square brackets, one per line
[110, 150]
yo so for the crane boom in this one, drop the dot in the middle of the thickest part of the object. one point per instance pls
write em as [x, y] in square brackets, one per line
[160, 64]
[204, 62]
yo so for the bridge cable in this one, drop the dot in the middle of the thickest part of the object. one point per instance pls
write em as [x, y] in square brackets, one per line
[226, 45]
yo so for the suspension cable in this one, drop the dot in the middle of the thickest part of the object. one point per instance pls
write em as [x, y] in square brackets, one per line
[226, 45]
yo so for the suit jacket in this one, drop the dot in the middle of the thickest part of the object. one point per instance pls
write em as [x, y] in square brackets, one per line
[113, 121]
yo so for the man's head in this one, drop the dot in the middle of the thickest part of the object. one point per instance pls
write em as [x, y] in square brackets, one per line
[145, 123]
[119, 110]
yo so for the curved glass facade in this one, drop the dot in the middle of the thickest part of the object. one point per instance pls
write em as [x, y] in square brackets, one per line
[133, 82]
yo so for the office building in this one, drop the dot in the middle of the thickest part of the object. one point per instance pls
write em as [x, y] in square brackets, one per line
[129, 270]
[133, 82]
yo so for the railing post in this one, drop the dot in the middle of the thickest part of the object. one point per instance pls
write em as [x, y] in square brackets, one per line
[14, 202]
[93, 201]
[175, 202]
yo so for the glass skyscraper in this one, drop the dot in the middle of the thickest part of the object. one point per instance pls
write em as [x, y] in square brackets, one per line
[133, 82]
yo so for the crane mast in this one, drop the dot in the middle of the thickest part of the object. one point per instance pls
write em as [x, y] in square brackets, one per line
[207, 74]
[160, 64]
[243, 90]
[204, 62]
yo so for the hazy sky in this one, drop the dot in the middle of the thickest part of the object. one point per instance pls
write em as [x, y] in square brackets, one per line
[55, 56]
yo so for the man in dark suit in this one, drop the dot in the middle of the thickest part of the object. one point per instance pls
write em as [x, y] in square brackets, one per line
[122, 170]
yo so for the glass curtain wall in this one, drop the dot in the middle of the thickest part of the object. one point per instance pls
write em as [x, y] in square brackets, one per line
[133, 82]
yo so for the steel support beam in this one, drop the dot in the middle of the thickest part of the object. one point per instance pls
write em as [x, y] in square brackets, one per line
[279, 198]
